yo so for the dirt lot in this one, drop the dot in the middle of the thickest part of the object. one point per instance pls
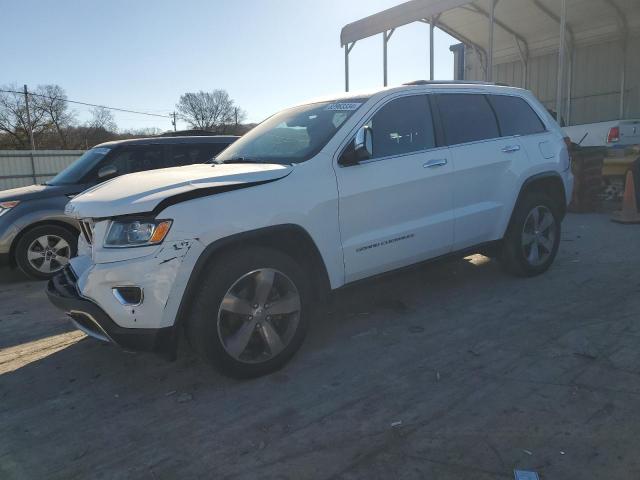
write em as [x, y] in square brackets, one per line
[486, 373]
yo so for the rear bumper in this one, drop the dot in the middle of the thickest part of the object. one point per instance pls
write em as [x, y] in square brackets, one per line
[91, 319]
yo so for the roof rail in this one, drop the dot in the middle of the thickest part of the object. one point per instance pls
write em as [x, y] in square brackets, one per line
[448, 82]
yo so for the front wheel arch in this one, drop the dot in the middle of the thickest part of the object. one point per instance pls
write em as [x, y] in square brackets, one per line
[290, 239]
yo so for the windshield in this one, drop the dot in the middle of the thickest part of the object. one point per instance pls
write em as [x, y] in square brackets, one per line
[293, 135]
[78, 169]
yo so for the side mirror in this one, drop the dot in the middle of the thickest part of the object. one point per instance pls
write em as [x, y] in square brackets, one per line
[107, 171]
[361, 149]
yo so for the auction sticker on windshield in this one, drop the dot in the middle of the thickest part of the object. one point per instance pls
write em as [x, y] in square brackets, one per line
[343, 106]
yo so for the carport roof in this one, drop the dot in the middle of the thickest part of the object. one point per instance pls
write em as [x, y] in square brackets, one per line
[535, 23]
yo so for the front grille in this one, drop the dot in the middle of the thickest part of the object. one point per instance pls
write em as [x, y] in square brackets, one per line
[64, 283]
[87, 231]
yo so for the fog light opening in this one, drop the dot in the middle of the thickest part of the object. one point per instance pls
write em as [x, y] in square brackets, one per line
[128, 296]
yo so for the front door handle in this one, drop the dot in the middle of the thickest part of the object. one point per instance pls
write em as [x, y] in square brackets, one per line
[438, 162]
[511, 148]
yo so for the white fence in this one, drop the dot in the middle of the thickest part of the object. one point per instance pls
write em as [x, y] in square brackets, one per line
[25, 167]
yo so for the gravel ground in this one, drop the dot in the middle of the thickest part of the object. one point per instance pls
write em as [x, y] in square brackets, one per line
[452, 370]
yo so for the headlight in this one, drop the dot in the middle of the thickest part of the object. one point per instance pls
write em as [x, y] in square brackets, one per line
[6, 206]
[136, 233]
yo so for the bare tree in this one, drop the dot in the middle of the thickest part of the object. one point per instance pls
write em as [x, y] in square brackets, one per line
[100, 128]
[51, 100]
[14, 118]
[212, 111]
[102, 119]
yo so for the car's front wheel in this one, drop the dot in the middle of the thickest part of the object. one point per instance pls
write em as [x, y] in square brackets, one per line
[251, 312]
[45, 250]
[533, 237]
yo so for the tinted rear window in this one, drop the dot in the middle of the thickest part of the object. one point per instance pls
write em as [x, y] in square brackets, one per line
[466, 118]
[515, 116]
[190, 153]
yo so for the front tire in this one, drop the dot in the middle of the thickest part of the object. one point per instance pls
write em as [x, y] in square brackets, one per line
[45, 250]
[251, 312]
[533, 237]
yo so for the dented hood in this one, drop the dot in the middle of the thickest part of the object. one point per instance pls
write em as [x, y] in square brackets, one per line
[147, 191]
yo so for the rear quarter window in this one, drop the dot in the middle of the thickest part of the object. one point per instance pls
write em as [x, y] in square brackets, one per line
[466, 117]
[515, 116]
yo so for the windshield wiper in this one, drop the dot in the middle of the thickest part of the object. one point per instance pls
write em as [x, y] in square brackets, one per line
[240, 160]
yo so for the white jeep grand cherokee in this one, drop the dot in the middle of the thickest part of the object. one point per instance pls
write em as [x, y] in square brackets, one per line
[236, 252]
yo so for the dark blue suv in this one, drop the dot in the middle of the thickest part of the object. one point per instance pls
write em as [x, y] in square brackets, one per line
[35, 234]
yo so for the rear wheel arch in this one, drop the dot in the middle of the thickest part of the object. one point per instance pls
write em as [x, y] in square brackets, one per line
[549, 183]
[290, 239]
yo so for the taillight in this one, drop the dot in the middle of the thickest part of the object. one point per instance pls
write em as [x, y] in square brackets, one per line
[614, 135]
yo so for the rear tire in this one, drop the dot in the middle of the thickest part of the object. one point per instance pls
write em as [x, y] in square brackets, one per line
[533, 236]
[251, 312]
[43, 251]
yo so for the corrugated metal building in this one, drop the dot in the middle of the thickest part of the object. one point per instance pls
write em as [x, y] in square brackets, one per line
[592, 93]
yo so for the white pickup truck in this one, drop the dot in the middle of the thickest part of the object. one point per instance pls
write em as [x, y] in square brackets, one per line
[615, 133]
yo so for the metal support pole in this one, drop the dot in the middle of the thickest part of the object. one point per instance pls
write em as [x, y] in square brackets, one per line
[346, 68]
[384, 59]
[385, 40]
[29, 126]
[524, 58]
[174, 120]
[561, 50]
[30, 130]
[623, 75]
[347, 50]
[431, 49]
[569, 85]
[492, 21]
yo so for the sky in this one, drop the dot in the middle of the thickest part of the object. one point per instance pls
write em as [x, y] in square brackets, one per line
[143, 54]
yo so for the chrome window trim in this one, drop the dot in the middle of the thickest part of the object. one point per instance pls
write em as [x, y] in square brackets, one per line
[393, 157]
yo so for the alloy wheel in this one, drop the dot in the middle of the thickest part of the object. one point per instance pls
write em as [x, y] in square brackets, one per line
[259, 315]
[538, 235]
[48, 253]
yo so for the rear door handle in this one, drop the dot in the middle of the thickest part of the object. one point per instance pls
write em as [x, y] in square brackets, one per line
[511, 148]
[438, 162]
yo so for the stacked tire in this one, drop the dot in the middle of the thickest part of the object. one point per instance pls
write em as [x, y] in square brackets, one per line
[588, 181]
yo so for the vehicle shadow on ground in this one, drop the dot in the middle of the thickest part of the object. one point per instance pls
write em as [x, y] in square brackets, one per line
[10, 276]
[384, 303]
[97, 383]
[395, 298]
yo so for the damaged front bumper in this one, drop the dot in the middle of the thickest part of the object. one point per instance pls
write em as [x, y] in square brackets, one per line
[63, 292]
[99, 292]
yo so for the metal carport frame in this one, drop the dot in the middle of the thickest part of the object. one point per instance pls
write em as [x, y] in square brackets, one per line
[499, 29]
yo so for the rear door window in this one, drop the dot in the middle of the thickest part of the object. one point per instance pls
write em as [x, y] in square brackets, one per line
[402, 126]
[466, 118]
[137, 159]
[515, 116]
[189, 154]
